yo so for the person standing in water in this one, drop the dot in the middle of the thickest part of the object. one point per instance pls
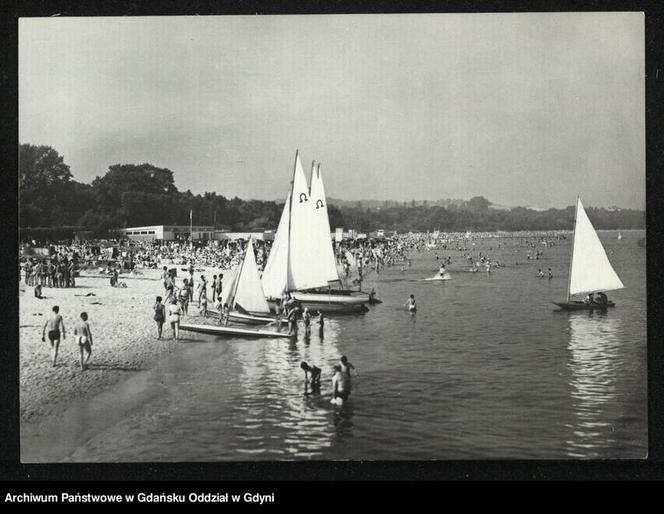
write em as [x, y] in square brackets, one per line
[315, 374]
[410, 303]
[346, 366]
[83, 337]
[321, 324]
[54, 324]
[339, 386]
[306, 317]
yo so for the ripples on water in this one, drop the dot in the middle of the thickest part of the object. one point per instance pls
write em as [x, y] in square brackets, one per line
[485, 369]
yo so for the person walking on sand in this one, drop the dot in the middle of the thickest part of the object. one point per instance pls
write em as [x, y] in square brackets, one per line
[174, 313]
[184, 297]
[159, 315]
[83, 337]
[54, 324]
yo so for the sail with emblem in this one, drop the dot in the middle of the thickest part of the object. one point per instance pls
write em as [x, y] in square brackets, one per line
[303, 256]
[322, 239]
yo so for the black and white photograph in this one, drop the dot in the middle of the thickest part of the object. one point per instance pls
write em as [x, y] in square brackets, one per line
[332, 237]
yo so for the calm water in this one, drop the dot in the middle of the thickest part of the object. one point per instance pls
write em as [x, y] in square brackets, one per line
[485, 369]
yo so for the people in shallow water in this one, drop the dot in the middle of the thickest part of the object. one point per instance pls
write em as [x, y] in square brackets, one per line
[410, 303]
[339, 386]
[311, 374]
[550, 273]
[442, 270]
[540, 273]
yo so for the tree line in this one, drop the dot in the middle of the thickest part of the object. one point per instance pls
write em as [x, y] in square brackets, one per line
[130, 195]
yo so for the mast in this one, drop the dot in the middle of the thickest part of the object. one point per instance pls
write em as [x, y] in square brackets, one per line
[569, 278]
[290, 215]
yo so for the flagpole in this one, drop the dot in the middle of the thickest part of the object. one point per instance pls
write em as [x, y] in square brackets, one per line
[191, 227]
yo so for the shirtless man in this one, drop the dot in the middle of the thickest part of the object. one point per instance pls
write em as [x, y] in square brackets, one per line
[53, 325]
[339, 386]
[83, 337]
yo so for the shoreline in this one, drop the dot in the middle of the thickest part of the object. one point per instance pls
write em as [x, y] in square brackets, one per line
[124, 335]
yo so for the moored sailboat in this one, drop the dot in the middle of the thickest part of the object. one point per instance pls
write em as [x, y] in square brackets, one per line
[590, 269]
[302, 261]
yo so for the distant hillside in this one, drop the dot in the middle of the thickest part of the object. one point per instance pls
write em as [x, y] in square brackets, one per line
[383, 204]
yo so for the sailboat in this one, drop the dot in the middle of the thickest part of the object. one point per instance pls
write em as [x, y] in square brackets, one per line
[302, 260]
[590, 269]
[246, 303]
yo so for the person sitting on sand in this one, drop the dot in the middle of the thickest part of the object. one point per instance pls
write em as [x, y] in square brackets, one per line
[159, 315]
[54, 324]
[83, 337]
[38, 291]
[174, 313]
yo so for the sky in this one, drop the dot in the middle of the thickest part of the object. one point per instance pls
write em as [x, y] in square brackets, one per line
[521, 108]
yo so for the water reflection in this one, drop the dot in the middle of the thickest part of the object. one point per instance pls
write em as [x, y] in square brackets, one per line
[594, 348]
[279, 416]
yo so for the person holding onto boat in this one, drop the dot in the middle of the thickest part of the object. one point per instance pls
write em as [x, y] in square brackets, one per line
[410, 303]
[83, 337]
[293, 313]
[589, 299]
[159, 315]
[602, 299]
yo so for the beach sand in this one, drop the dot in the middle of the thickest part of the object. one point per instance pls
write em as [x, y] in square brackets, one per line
[124, 335]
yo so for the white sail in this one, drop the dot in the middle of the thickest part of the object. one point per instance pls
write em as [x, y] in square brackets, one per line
[275, 275]
[590, 270]
[249, 292]
[303, 257]
[326, 263]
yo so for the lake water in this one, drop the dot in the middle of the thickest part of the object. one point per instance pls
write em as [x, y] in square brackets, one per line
[486, 369]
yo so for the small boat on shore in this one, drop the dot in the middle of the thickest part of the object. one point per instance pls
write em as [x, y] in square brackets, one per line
[590, 269]
[231, 331]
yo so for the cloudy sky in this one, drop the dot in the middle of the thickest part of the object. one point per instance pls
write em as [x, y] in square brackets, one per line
[524, 109]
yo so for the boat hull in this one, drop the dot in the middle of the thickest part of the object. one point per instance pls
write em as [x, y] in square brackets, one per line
[327, 306]
[231, 331]
[581, 306]
[250, 319]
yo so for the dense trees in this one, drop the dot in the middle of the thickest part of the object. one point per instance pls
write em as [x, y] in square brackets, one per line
[142, 194]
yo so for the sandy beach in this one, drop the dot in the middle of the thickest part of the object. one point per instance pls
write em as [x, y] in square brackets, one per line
[124, 333]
